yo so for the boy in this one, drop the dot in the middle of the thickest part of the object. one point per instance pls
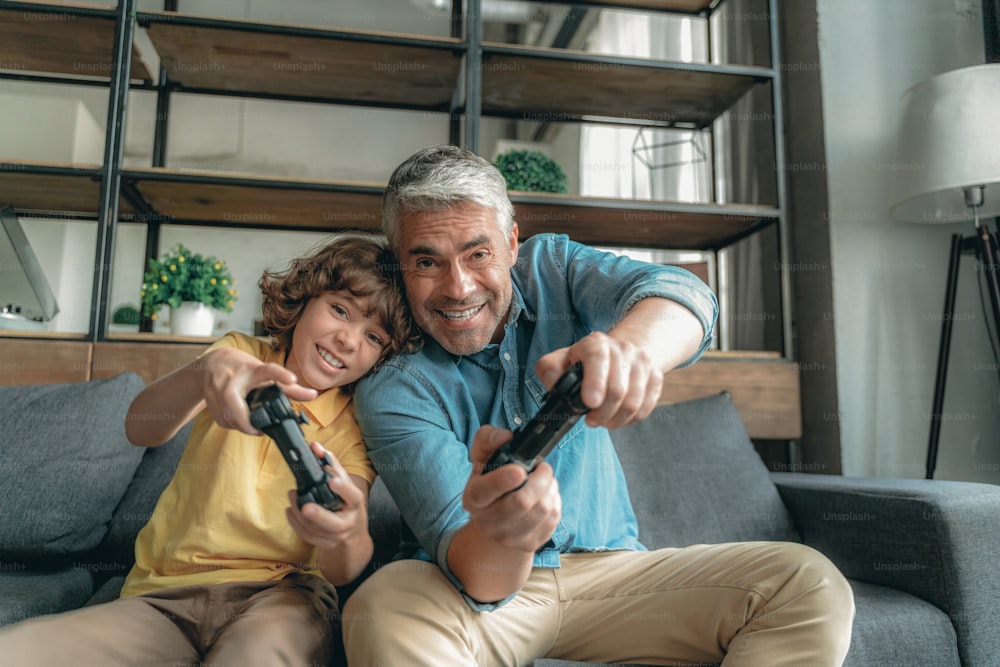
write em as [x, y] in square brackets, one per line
[229, 571]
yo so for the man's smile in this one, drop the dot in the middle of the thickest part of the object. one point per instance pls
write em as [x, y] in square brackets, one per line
[460, 315]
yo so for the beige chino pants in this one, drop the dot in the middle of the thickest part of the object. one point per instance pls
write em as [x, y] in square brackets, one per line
[286, 622]
[761, 604]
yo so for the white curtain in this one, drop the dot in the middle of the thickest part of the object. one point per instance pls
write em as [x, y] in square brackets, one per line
[660, 163]
[683, 166]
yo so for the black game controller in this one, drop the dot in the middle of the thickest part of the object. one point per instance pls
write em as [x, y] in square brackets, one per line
[561, 409]
[272, 413]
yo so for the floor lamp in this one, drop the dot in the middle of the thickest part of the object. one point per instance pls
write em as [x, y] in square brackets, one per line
[948, 171]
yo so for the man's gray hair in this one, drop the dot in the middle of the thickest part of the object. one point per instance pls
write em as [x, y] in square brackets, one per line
[439, 177]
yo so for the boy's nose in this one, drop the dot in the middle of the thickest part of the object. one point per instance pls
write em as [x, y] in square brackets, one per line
[348, 338]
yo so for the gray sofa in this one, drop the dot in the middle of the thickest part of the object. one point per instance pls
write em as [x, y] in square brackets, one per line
[920, 555]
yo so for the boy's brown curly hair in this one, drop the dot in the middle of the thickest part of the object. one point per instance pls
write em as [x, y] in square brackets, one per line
[362, 264]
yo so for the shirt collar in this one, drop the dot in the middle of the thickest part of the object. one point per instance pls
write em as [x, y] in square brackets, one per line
[517, 310]
[327, 406]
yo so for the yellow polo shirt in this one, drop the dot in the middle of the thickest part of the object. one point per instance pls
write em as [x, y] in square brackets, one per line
[222, 517]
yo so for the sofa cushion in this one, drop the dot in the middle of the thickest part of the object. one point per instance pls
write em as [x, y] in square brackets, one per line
[925, 634]
[65, 464]
[26, 593]
[695, 477]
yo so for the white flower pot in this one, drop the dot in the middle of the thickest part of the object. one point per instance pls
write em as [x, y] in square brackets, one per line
[192, 319]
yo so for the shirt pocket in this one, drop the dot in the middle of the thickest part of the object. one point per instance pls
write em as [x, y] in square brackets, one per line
[272, 463]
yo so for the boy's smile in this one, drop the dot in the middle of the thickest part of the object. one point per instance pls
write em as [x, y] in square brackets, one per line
[336, 341]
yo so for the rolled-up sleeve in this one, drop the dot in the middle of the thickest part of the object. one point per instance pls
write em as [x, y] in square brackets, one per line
[416, 443]
[603, 287]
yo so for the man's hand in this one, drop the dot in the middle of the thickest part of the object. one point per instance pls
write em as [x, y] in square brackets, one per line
[512, 508]
[621, 385]
[512, 514]
[623, 369]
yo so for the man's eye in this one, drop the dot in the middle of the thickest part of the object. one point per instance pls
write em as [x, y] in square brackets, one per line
[423, 264]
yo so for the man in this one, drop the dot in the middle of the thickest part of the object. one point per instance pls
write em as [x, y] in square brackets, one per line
[506, 566]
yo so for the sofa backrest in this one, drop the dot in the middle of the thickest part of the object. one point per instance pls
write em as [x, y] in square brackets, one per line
[117, 550]
[65, 464]
[695, 478]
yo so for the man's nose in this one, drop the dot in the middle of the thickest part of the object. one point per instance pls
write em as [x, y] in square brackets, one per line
[459, 282]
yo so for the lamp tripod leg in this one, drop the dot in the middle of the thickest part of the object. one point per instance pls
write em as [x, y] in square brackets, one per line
[943, 350]
[986, 249]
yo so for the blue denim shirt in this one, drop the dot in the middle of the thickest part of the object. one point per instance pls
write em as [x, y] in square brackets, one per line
[419, 413]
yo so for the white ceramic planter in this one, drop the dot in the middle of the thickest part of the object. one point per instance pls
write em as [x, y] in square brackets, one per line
[192, 319]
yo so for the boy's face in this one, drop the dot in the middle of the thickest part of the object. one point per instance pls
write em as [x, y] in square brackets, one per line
[334, 343]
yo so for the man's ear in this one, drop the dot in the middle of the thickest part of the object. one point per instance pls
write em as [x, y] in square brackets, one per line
[513, 244]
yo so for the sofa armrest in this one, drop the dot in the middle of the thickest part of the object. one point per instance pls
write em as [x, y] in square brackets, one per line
[937, 540]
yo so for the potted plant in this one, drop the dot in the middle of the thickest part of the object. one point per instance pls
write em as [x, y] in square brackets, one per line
[531, 171]
[125, 318]
[194, 286]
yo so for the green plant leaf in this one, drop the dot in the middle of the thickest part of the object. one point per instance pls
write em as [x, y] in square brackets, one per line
[181, 275]
[531, 171]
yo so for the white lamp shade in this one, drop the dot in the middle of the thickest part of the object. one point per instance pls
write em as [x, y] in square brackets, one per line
[949, 140]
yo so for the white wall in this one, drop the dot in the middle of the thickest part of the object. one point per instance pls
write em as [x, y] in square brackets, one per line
[889, 277]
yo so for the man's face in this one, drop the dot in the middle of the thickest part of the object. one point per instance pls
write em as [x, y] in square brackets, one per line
[456, 269]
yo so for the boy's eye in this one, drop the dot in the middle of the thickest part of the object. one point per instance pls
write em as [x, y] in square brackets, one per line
[376, 339]
[340, 310]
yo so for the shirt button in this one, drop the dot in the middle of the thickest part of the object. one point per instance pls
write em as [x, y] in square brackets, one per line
[517, 420]
[506, 356]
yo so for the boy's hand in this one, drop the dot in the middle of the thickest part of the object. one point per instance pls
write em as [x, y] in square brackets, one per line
[321, 527]
[227, 376]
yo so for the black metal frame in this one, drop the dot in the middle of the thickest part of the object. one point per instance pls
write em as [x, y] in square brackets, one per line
[984, 247]
[111, 182]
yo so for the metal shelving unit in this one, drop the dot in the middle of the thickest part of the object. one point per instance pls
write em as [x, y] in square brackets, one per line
[461, 76]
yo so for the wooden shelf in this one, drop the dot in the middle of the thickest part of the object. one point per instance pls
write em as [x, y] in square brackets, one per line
[247, 200]
[253, 201]
[764, 388]
[59, 189]
[252, 58]
[682, 6]
[677, 6]
[562, 85]
[263, 202]
[626, 222]
[69, 39]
